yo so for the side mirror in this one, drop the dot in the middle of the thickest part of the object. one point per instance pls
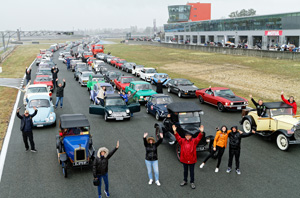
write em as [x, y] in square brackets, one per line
[201, 113]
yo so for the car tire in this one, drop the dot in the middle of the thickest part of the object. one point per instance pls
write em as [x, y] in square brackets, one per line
[157, 117]
[201, 100]
[178, 151]
[65, 170]
[179, 94]
[157, 133]
[105, 117]
[169, 89]
[147, 110]
[247, 126]
[127, 71]
[221, 107]
[282, 142]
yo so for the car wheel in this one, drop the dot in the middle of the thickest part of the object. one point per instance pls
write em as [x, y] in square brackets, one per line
[64, 169]
[201, 100]
[157, 117]
[282, 142]
[221, 107]
[247, 126]
[157, 133]
[178, 151]
[76, 78]
[169, 89]
[147, 110]
[88, 89]
[105, 117]
[179, 94]
[127, 71]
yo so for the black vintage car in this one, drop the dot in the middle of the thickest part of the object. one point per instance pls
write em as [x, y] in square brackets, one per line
[183, 87]
[74, 143]
[186, 117]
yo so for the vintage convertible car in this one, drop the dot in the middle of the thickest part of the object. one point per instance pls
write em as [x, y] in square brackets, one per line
[113, 61]
[186, 117]
[279, 124]
[183, 87]
[144, 90]
[122, 82]
[94, 92]
[93, 79]
[98, 64]
[157, 105]
[221, 97]
[74, 143]
[147, 74]
[44, 80]
[163, 77]
[46, 115]
[38, 89]
[115, 108]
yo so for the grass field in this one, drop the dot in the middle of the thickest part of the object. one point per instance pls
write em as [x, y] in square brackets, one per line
[262, 77]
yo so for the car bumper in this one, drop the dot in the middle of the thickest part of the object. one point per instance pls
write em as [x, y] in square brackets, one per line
[235, 107]
[118, 117]
[189, 94]
[42, 124]
[294, 142]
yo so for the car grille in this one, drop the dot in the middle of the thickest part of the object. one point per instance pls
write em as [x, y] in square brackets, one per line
[80, 155]
[297, 132]
[118, 114]
[238, 103]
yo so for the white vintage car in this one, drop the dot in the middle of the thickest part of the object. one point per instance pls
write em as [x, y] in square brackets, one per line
[137, 69]
[147, 74]
[38, 89]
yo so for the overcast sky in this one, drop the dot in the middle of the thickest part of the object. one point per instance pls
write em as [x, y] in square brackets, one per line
[94, 14]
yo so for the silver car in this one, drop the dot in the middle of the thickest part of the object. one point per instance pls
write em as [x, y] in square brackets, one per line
[83, 77]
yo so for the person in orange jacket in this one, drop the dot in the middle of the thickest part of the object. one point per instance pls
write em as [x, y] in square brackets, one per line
[291, 102]
[220, 143]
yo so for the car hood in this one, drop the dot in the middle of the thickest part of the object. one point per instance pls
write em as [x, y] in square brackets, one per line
[149, 74]
[149, 92]
[162, 107]
[287, 119]
[41, 115]
[84, 78]
[233, 98]
[117, 108]
[188, 88]
[73, 142]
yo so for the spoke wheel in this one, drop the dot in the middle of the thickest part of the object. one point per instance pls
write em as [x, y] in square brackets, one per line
[247, 126]
[282, 142]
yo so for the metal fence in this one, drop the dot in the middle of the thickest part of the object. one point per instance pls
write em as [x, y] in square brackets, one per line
[7, 53]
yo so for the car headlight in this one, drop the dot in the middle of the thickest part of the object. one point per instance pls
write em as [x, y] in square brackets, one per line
[226, 103]
[110, 112]
[207, 140]
[51, 118]
[127, 111]
[231, 103]
[141, 97]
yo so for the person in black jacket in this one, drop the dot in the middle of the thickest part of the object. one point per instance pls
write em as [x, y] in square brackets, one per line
[26, 128]
[260, 107]
[28, 75]
[151, 157]
[60, 93]
[54, 72]
[235, 138]
[100, 167]
[159, 85]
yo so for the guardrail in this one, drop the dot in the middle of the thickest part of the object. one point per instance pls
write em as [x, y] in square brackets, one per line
[7, 53]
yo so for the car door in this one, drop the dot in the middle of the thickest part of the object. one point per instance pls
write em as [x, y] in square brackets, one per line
[150, 104]
[209, 97]
[174, 87]
[96, 109]
[154, 106]
[117, 83]
[134, 107]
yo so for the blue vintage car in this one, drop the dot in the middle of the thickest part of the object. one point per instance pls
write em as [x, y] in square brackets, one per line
[115, 108]
[93, 93]
[163, 77]
[157, 105]
[74, 143]
[46, 115]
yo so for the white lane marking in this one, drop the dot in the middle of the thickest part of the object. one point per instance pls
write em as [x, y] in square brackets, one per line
[9, 130]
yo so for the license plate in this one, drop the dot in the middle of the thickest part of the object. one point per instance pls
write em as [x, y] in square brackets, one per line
[239, 107]
[119, 118]
[39, 125]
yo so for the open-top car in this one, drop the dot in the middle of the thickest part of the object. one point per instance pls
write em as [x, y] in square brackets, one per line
[74, 143]
[98, 64]
[115, 108]
[122, 82]
[157, 105]
[186, 117]
[93, 79]
[45, 115]
[221, 97]
[94, 92]
[279, 123]
[183, 87]
[144, 90]
[38, 89]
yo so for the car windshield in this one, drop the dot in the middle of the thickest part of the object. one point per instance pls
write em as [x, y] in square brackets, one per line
[115, 102]
[164, 100]
[226, 92]
[88, 53]
[150, 71]
[281, 111]
[108, 88]
[184, 82]
[37, 90]
[161, 76]
[142, 87]
[190, 117]
[86, 74]
[39, 103]
[139, 66]
[114, 75]
[122, 61]
[127, 80]
[98, 47]
[43, 79]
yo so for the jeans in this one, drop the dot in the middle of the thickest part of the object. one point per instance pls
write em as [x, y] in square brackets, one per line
[28, 135]
[154, 165]
[54, 82]
[220, 155]
[105, 178]
[68, 66]
[59, 99]
[27, 81]
[101, 101]
[186, 169]
[234, 153]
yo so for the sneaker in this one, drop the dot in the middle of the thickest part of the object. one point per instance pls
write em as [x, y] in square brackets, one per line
[193, 186]
[150, 181]
[106, 193]
[228, 170]
[27, 150]
[99, 196]
[238, 171]
[60, 107]
[217, 170]
[183, 183]
[202, 165]
[33, 150]
[157, 183]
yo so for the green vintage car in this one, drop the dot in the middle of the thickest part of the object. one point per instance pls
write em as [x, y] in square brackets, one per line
[93, 80]
[115, 108]
[144, 90]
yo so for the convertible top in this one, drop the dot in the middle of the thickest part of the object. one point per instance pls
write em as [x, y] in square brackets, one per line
[73, 120]
[276, 105]
[183, 107]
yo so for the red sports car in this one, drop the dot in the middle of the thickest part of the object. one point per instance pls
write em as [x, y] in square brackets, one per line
[44, 79]
[221, 97]
[122, 82]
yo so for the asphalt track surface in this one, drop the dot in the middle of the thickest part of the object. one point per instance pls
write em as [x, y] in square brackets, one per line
[266, 171]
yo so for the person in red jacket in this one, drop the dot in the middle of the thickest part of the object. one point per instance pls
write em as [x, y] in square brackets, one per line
[291, 102]
[188, 153]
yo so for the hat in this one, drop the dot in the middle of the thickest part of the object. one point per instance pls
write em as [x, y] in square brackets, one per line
[26, 111]
[234, 127]
[150, 138]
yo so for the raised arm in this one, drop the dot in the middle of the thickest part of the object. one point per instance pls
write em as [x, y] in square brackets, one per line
[160, 140]
[113, 151]
[200, 135]
[285, 100]
[35, 112]
[177, 136]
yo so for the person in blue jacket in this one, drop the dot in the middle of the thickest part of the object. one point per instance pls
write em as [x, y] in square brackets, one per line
[124, 96]
[68, 63]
